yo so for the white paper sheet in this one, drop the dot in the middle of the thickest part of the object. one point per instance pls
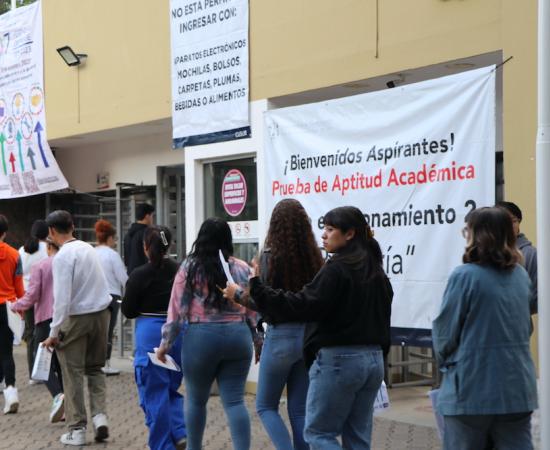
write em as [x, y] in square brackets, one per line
[170, 364]
[225, 266]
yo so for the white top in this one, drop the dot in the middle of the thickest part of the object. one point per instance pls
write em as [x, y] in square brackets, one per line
[113, 268]
[28, 260]
[79, 284]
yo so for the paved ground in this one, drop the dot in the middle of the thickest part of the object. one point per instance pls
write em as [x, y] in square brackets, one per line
[30, 430]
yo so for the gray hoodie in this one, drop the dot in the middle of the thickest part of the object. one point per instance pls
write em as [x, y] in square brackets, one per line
[530, 254]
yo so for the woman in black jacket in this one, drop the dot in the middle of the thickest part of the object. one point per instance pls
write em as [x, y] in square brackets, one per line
[348, 307]
[146, 298]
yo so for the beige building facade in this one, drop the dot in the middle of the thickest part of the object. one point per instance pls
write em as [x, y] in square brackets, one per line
[110, 120]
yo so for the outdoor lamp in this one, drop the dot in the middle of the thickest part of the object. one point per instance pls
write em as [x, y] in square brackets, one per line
[70, 57]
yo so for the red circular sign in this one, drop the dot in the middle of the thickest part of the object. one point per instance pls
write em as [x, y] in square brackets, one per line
[234, 192]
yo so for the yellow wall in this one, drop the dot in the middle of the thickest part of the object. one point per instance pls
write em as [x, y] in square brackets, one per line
[298, 45]
[126, 79]
[295, 45]
[519, 39]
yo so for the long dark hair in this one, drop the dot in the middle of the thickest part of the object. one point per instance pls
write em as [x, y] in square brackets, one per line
[491, 239]
[362, 249]
[157, 242]
[39, 232]
[295, 256]
[214, 235]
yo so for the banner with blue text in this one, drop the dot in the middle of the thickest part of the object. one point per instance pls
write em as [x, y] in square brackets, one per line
[27, 165]
[415, 159]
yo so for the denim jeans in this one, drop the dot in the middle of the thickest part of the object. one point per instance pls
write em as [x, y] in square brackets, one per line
[343, 383]
[54, 384]
[471, 432]
[282, 364]
[221, 352]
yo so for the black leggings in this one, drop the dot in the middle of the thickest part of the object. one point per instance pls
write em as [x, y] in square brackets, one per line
[54, 382]
[7, 363]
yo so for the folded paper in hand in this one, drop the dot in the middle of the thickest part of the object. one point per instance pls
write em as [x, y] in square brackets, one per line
[225, 266]
[170, 364]
[16, 324]
[42, 363]
[382, 400]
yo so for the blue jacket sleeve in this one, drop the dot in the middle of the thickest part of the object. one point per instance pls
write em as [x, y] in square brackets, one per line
[447, 327]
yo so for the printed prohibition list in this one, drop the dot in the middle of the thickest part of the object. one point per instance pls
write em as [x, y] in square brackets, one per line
[234, 192]
[209, 40]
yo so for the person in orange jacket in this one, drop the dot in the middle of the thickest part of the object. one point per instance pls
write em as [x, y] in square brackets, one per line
[11, 288]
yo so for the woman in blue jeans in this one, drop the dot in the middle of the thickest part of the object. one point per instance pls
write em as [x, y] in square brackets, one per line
[218, 341]
[290, 260]
[348, 305]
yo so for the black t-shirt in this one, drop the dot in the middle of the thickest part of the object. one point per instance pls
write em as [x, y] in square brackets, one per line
[341, 306]
[148, 289]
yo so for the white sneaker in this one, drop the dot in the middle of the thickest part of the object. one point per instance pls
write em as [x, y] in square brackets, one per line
[58, 408]
[108, 370]
[76, 436]
[101, 427]
[12, 400]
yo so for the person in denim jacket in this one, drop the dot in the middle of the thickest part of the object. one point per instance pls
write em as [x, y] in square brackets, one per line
[481, 341]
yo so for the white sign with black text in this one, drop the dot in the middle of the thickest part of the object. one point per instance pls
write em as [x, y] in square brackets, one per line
[209, 71]
[415, 159]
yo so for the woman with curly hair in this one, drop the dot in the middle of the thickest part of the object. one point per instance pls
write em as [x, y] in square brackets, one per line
[290, 260]
[481, 341]
[348, 305]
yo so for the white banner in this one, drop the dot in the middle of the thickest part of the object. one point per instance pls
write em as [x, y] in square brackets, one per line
[415, 159]
[209, 71]
[27, 166]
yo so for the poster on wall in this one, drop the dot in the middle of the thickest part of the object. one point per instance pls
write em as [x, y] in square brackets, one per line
[209, 70]
[27, 165]
[415, 159]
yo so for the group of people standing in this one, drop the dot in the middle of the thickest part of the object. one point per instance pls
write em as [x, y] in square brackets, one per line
[319, 328]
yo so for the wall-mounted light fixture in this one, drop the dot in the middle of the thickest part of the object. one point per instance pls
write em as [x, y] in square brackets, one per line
[70, 57]
[74, 60]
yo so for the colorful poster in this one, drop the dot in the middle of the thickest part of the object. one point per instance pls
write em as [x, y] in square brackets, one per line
[415, 159]
[27, 165]
[209, 70]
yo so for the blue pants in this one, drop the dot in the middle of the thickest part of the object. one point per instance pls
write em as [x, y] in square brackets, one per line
[343, 383]
[157, 387]
[471, 432]
[282, 364]
[222, 352]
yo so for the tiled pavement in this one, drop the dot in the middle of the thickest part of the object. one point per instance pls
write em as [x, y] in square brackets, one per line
[29, 429]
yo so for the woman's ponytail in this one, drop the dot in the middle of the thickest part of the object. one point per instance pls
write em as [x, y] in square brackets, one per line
[157, 242]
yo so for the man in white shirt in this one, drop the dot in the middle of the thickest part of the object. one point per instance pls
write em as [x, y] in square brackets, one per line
[79, 328]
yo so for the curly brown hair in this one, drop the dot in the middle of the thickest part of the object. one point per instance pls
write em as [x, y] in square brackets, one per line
[295, 255]
[491, 239]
